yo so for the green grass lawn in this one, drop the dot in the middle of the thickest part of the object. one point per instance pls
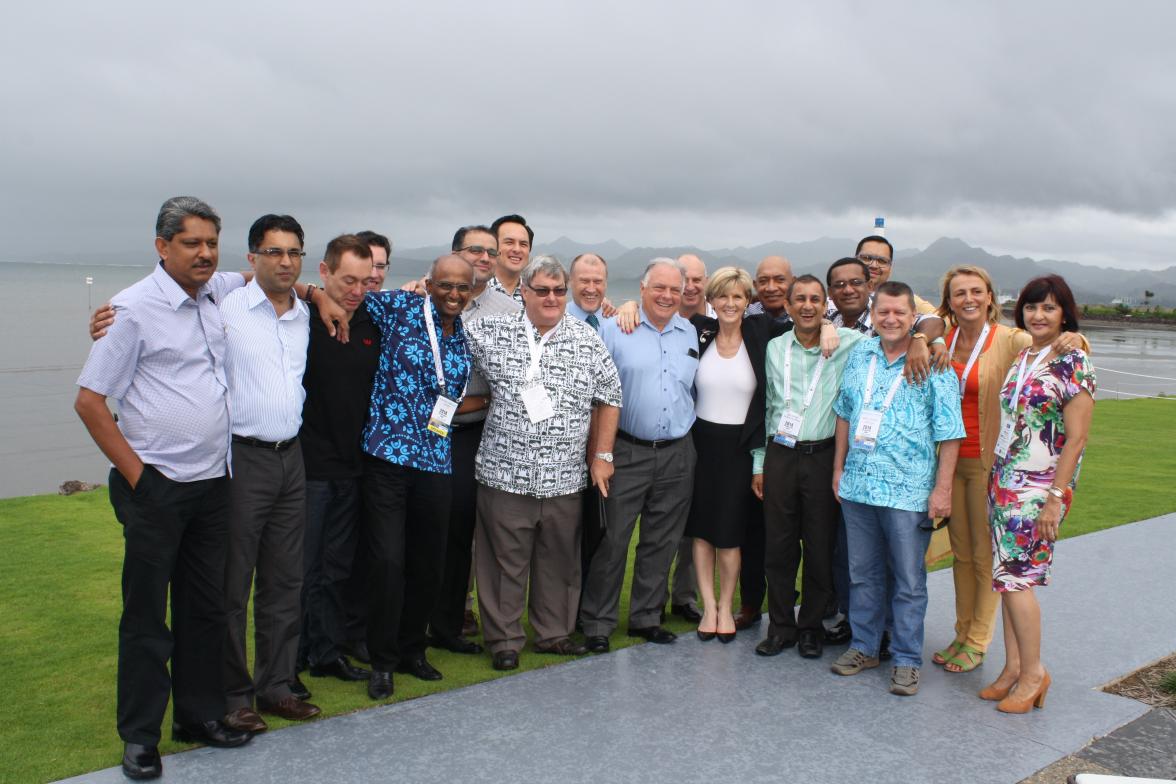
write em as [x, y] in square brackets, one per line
[60, 560]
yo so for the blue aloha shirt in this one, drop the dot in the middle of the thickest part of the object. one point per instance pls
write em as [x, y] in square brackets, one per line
[405, 388]
[899, 473]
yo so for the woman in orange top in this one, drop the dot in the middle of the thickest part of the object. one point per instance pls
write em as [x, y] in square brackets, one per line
[981, 352]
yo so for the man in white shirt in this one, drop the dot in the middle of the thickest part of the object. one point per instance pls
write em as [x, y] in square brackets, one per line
[267, 331]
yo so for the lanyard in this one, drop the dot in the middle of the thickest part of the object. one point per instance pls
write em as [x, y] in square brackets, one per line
[1021, 376]
[870, 387]
[432, 330]
[808, 396]
[975, 353]
[536, 348]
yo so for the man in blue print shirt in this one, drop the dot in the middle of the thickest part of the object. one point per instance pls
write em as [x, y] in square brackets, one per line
[423, 368]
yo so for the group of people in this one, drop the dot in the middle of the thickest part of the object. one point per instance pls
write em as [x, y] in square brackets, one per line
[360, 458]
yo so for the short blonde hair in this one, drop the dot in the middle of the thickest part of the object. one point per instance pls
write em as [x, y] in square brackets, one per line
[726, 277]
[967, 269]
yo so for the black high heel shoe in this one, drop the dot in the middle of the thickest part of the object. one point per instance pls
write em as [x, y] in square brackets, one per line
[725, 637]
[705, 636]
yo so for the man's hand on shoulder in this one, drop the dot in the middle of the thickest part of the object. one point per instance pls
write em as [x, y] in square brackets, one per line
[101, 320]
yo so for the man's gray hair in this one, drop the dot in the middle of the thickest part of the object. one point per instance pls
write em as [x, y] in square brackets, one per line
[173, 212]
[548, 265]
[663, 261]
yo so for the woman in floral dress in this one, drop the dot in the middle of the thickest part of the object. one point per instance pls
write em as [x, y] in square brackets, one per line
[1046, 404]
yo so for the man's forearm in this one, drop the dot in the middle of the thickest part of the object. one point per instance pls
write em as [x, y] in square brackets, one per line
[606, 419]
[91, 408]
[840, 443]
[949, 452]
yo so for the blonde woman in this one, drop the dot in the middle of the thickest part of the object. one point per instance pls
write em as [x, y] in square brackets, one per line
[981, 350]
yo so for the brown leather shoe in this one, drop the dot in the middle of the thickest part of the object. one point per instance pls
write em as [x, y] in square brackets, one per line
[565, 646]
[290, 708]
[469, 624]
[747, 617]
[245, 720]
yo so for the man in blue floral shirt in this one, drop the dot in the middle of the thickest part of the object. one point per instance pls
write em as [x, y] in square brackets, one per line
[890, 482]
[423, 368]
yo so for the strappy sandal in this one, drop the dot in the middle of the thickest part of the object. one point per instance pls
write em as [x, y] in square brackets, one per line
[966, 659]
[942, 657]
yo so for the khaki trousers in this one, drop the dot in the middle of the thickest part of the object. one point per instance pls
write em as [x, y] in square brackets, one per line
[971, 544]
[516, 536]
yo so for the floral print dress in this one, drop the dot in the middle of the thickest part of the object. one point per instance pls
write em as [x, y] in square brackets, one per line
[1017, 486]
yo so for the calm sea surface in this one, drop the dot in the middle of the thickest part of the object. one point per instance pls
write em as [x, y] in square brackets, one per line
[45, 342]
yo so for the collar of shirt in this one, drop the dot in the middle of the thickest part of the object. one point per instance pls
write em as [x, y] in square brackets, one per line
[675, 322]
[254, 296]
[575, 310]
[171, 290]
[874, 346]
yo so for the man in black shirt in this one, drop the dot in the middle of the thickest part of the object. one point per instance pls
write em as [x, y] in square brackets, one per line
[338, 383]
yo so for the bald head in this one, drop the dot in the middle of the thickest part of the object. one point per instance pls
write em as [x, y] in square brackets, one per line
[773, 276]
[450, 282]
[692, 295]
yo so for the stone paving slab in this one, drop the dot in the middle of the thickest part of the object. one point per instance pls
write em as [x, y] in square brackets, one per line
[706, 712]
[1145, 748]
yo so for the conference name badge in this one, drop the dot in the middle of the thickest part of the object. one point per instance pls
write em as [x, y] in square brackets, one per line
[788, 430]
[537, 403]
[442, 416]
[869, 426]
[1005, 439]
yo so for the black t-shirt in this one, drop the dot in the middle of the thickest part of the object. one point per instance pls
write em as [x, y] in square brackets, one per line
[338, 383]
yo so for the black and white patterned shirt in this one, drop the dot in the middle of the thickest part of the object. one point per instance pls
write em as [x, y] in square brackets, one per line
[516, 295]
[544, 459]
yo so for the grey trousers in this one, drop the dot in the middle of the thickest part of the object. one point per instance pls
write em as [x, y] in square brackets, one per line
[685, 590]
[517, 535]
[267, 520]
[657, 485]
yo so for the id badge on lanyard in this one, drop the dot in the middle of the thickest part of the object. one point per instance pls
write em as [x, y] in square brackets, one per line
[535, 398]
[443, 410]
[1008, 424]
[869, 426]
[788, 429]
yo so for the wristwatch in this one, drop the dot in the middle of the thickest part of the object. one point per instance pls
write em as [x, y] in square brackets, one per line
[605, 456]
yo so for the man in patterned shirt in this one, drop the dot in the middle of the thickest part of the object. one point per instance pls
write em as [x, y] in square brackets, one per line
[423, 368]
[890, 482]
[546, 373]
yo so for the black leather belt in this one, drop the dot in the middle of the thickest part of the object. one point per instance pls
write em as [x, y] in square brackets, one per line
[812, 447]
[659, 444]
[275, 446]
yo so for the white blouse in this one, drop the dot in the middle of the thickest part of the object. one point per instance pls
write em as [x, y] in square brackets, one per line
[724, 386]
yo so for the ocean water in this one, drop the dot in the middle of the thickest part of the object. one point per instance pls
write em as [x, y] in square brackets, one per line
[46, 341]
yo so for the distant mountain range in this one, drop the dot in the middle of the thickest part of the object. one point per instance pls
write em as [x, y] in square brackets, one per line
[922, 269]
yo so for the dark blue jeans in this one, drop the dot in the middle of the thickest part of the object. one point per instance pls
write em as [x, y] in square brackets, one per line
[332, 533]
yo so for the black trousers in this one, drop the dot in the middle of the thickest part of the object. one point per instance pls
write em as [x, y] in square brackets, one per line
[449, 612]
[405, 522]
[753, 584]
[176, 536]
[328, 551]
[799, 510]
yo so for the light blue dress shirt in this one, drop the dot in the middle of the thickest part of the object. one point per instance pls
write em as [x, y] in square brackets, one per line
[899, 472]
[575, 310]
[657, 376]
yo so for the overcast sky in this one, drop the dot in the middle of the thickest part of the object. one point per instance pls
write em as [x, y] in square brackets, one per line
[1041, 128]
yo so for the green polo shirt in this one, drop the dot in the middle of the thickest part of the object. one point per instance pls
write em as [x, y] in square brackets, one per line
[819, 420]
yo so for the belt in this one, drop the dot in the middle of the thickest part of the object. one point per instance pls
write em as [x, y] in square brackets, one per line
[275, 446]
[812, 447]
[661, 443]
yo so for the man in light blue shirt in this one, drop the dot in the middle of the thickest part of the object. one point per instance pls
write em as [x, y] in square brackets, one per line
[890, 483]
[588, 281]
[654, 460]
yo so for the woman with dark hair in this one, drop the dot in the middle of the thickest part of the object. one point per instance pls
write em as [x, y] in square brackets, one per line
[1046, 404]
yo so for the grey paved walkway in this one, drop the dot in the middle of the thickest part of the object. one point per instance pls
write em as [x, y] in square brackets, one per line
[705, 712]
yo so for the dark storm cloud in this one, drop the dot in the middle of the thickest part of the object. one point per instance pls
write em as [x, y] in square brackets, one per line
[679, 114]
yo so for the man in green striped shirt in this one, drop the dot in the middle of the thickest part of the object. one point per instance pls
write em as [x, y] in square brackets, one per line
[793, 472]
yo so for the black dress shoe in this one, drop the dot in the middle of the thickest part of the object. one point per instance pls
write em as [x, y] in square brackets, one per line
[455, 644]
[419, 668]
[839, 633]
[811, 644]
[655, 634]
[339, 668]
[505, 660]
[380, 685]
[772, 645]
[298, 689]
[210, 733]
[358, 650]
[141, 762]
[884, 653]
[686, 611]
[597, 644]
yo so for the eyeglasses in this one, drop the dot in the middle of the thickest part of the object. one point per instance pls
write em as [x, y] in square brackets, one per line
[857, 283]
[478, 250]
[543, 291]
[380, 266]
[446, 286]
[276, 253]
[871, 261]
